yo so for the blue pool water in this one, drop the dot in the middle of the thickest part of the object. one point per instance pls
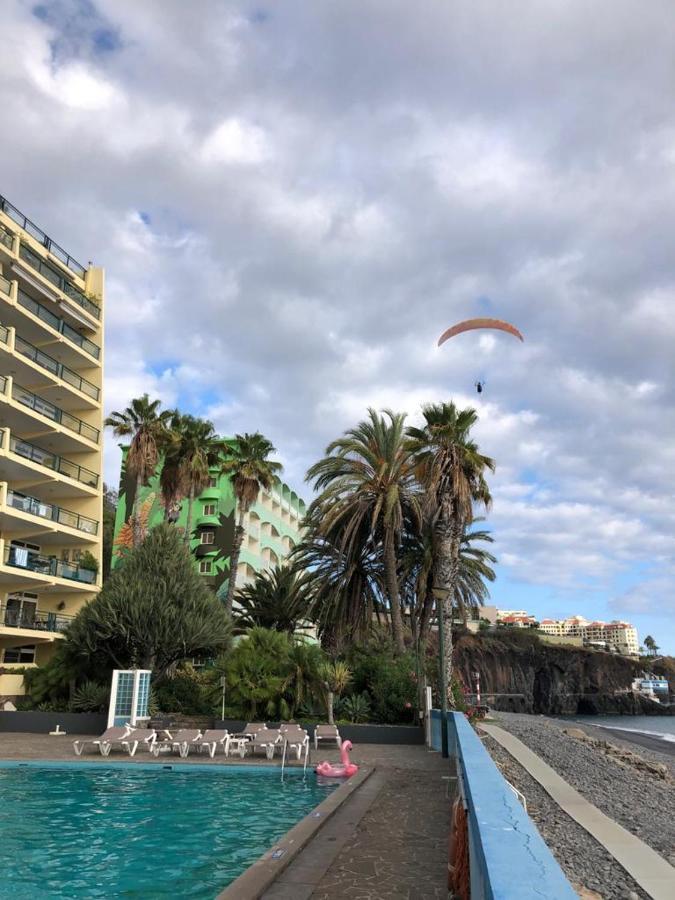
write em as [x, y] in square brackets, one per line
[125, 831]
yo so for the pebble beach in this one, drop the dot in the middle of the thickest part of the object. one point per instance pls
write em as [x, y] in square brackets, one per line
[633, 785]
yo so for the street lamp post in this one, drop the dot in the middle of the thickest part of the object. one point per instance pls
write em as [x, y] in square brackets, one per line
[440, 595]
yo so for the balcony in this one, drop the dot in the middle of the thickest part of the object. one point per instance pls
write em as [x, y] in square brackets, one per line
[33, 620]
[5, 284]
[47, 409]
[55, 278]
[29, 561]
[30, 228]
[57, 369]
[52, 461]
[45, 315]
[35, 507]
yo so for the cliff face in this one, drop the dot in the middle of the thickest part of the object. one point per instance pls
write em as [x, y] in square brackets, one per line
[550, 680]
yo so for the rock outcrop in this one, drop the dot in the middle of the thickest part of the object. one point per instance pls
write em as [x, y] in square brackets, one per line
[526, 675]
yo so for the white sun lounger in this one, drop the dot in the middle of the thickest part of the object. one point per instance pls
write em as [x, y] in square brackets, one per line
[267, 739]
[110, 736]
[139, 737]
[214, 738]
[326, 733]
[180, 741]
[295, 737]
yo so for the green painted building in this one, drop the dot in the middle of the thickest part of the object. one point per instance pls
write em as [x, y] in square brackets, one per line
[273, 525]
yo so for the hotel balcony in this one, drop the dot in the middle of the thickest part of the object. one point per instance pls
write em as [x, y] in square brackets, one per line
[27, 465]
[34, 418]
[42, 326]
[22, 569]
[24, 516]
[31, 624]
[31, 365]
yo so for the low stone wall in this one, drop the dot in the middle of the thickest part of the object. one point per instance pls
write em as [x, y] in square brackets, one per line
[507, 855]
[358, 734]
[35, 722]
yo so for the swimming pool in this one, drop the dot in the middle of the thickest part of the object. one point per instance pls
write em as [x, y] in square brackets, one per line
[76, 830]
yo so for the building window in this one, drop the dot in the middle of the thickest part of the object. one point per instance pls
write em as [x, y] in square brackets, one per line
[213, 481]
[207, 537]
[209, 509]
[19, 655]
[204, 566]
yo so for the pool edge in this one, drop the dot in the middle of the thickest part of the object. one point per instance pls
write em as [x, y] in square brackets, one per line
[261, 874]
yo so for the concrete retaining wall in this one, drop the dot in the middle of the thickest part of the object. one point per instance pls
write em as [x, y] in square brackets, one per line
[507, 855]
[359, 734]
[43, 722]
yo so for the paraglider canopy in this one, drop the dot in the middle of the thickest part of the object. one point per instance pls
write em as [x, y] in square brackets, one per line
[472, 324]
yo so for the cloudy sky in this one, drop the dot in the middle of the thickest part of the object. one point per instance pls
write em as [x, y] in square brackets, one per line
[292, 200]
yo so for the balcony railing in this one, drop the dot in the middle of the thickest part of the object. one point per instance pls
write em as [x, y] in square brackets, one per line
[45, 408]
[6, 238]
[21, 558]
[35, 507]
[33, 619]
[5, 283]
[55, 367]
[58, 281]
[57, 324]
[50, 461]
[4, 334]
[40, 236]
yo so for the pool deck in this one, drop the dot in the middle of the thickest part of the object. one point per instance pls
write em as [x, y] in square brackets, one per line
[389, 839]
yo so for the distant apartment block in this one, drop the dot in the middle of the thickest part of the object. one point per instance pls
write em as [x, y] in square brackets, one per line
[272, 526]
[51, 375]
[619, 636]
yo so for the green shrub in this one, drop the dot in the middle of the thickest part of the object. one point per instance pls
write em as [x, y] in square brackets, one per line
[390, 682]
[355, 709]
[90, 697]
[187, 692]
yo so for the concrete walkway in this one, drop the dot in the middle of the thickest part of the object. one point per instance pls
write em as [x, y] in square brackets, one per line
[654, 875]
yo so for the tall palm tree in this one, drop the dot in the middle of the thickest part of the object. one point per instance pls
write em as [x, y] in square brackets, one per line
[475, 569]
[452, 471]
[148, 429]
[368, 486]
[278, 598]
[250, 468]
[195, 451]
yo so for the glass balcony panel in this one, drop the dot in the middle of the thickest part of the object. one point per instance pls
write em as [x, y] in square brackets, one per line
[6, 239]
[5, 284]
[4, 334]
[31, 505]
[58, 281]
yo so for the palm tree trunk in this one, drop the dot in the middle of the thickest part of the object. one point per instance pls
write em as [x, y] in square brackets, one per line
[445, 576]
[390, 567]
[188, 521]
[234, 561]
[136, 510]
[329, 707]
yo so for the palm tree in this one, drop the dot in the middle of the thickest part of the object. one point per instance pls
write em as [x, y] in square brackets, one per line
[368, 486]
[475, 569]
[336, 676]
[148, 429]
[278, 598]
[195, 450]
[452, 471]
[250, 469]
[346, 588]
[651, 645]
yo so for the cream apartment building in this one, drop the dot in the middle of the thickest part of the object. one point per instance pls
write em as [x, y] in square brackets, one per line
[51, 378]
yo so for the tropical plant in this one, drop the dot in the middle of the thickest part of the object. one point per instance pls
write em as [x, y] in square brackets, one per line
[148, 429]
[192, 450]
[88, 561]
[109, 513]
[305, 679]
[90, 696]
[248, 464]
[335, 677]
[257, 673]
[452, 470]
[279, 598]
[368, 487]
[153, 612]
[345, 589]
[355, 708]
[390, 680]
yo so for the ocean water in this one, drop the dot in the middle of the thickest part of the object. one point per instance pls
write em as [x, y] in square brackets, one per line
[656, 726]
[94, 831]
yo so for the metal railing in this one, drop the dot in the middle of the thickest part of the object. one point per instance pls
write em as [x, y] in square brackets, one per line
[21, 558]
[55, 367]
[33, 619]
[35, 507]
[55, 278]
[45, 408]
[16, 216]
[51, 461]
[58, 324]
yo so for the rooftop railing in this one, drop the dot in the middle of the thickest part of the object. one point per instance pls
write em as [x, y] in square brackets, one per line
[55, 367]
[16, 216]
[45, 408]
[51, 461]
[35, 507]
[55, 278]
[33, 619]
[22, 558]
[57, 323]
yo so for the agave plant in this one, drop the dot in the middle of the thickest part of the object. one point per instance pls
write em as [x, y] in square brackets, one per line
[355, 708]
[90, 697]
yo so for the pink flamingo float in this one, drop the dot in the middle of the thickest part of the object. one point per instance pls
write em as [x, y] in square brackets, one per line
[345, 770]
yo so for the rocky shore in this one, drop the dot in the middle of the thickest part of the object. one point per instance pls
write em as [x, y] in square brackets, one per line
[635, 787]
